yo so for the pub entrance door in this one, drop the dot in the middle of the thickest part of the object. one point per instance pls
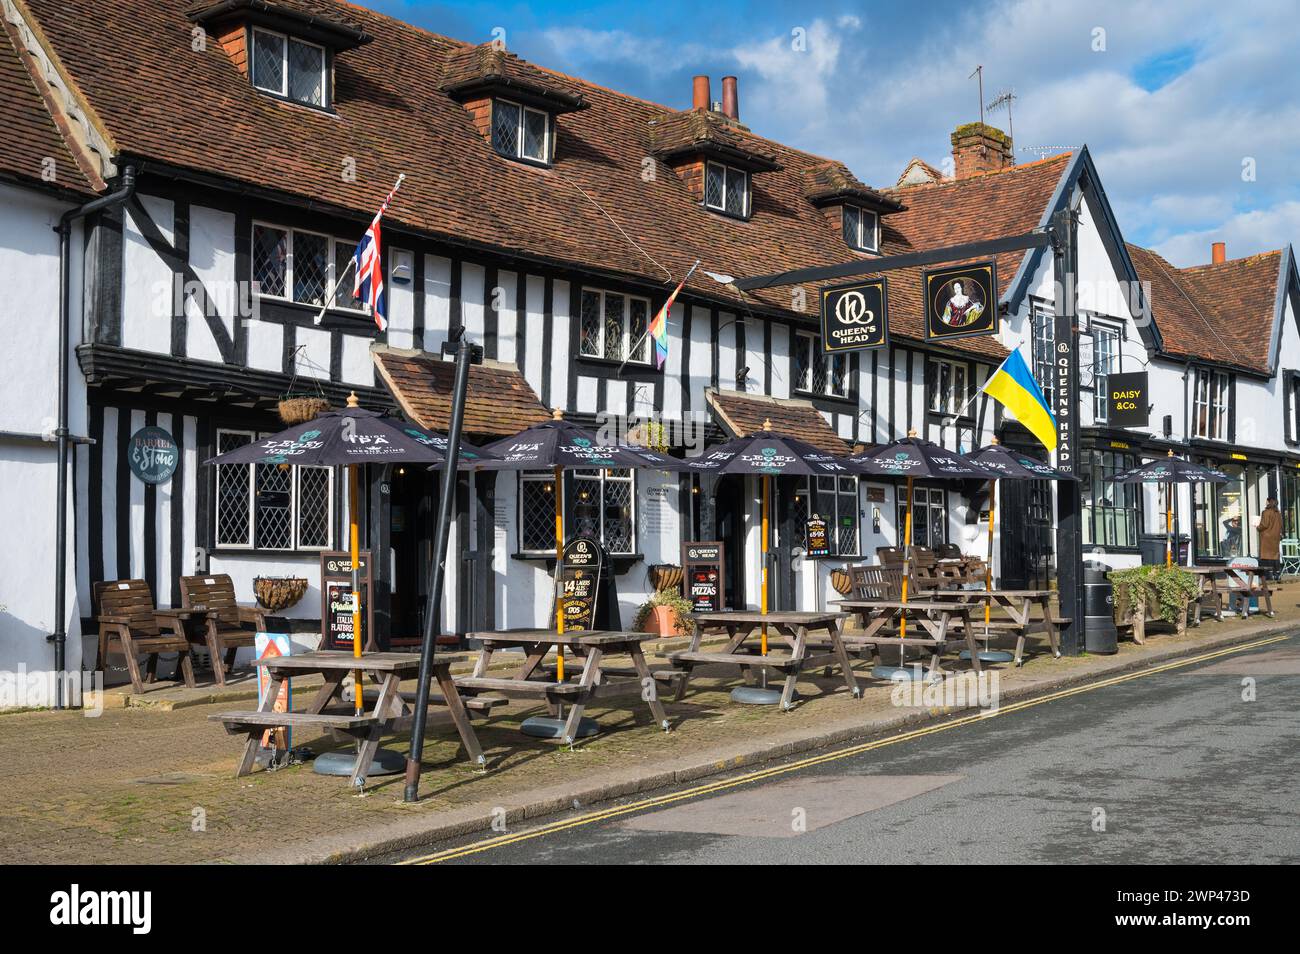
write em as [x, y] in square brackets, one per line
[729, 503]
[1027, 548]
[412, 496]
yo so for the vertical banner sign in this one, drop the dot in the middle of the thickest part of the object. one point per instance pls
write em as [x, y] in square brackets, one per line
[336, 600]
[961, 301]
[855, 317]
[702, 566]
[581, 563]
[1127, 401]
[817, 537]
[1065, 403]
[266, 645]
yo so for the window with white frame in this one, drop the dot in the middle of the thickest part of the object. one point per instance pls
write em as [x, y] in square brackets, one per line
[599, 503]
[947, 386]
[861, 228]
[1044, 319]
[271, 506]
[521, 132]
[300, 266]
[815, 371]
[835, 500]
[1105, 362]
[726, 189]
[929, 517]
[613, 326]
[290, 68]
[1210, 404]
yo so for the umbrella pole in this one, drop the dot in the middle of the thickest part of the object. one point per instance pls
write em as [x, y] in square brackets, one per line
[988, 564]
[762, 593]
[907, 569]
[355, 554]
[1169, 524]
[559, 557]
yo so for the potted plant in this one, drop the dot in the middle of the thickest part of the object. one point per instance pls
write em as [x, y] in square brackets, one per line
[665, 613]
[1158, 592]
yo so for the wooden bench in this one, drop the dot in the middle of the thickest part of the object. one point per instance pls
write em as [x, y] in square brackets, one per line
[129, 623]
[476, 705]
[532, 687]
[240, 722]
[228, 623]
[743, 660]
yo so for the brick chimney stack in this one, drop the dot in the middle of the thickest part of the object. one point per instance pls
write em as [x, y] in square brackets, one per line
[977, 148]
[700, 92]
[1218, 253]
[730, 99]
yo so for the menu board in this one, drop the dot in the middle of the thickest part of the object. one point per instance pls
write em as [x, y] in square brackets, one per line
[817, 537]
[336, 600]
[702, 566]
[581, 563]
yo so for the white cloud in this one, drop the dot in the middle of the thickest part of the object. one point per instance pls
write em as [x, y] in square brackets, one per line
[1245, 234]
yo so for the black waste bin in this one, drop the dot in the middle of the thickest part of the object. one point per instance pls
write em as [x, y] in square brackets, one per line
[1099, 632]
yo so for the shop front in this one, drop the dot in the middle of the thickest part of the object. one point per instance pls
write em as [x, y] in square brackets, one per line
[1225, 514]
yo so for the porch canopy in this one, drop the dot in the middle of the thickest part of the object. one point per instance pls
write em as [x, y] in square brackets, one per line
[741, 415]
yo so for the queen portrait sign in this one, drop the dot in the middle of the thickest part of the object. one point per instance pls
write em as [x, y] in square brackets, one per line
[961, 301]
[855, 317]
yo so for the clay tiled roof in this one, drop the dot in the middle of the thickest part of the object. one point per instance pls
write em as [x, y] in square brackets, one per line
[919, 172]
[594, 209]
[1220, 312]
[698, 130]
[500, 401]
[743, 414]
[486, 66]
[31, 137]
[833, 180]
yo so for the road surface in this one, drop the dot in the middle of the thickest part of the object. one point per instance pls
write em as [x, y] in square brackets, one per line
[1190, 763]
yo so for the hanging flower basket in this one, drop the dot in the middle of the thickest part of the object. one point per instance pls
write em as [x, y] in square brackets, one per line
[276, 593]
[841, 580]
[665, 576]
[300, 410]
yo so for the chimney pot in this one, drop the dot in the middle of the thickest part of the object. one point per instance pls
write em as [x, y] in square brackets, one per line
[730, 98]
[700, 92]
[1218, 252]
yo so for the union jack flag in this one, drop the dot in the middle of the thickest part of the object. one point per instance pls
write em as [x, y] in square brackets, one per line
[369, 283]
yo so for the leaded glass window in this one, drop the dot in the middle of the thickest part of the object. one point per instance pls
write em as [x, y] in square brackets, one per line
[613, 326]
[726, 189]
[597, 503]
[303, 267]
[289, 67]
[505, 128]
[270, 260]
[520, 132]
[306, 73]
[310, 267]
[860, 228]
[817, 372]
[835, 500]
[269, 506]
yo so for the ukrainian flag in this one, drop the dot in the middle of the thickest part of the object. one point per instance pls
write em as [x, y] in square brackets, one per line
[1016, 389]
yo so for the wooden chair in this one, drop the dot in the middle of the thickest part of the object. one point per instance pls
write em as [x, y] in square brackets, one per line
[227, 620]
[875, 582]
[890, 556]
[948, 551]
[130, 624]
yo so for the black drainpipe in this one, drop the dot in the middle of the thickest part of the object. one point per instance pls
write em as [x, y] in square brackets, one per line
[64, 228]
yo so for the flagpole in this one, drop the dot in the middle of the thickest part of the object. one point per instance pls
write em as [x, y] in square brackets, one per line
[645, 334]
[320, 315]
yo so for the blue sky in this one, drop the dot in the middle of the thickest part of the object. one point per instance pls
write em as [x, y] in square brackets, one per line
[1191, 109]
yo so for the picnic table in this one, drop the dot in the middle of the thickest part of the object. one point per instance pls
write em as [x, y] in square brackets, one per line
[1016, 606]
[1237, 583]
[597, 680]
[387, 711]
[795, 629]
[936, 618]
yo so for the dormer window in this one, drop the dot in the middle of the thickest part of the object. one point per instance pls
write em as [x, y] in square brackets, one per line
[290, 68]
[861, 229]
[726, 189]
[521, 132]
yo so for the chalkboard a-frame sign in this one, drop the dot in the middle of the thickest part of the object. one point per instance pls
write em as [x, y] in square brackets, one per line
[702, 573]
[581, 564]
[336, 600]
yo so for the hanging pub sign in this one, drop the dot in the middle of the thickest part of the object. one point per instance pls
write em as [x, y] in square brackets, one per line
[817, 537]
[702, 564]
[152, 455]
[855, 317]
[581, 563]
[336, 600]
[961, 301]
[1126, 400]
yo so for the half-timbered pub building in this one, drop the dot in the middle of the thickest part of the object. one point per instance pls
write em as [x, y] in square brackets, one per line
[549, 218]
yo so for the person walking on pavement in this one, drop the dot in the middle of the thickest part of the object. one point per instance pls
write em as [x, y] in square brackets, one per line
[1270, 539]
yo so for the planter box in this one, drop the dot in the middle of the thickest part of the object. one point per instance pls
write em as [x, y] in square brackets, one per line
[1137, 621]
[664, 622]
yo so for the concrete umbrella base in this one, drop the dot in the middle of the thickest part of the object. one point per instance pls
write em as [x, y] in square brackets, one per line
[990, 655]
[756, 696]
[385, 762]
[546, 727]
[899, 673]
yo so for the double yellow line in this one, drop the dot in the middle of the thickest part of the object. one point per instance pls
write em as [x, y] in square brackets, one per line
[710, 788]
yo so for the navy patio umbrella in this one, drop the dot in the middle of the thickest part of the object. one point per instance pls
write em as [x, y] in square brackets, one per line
[914, 458]
[1005, 463]
[350, 436]
[1171, 470]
